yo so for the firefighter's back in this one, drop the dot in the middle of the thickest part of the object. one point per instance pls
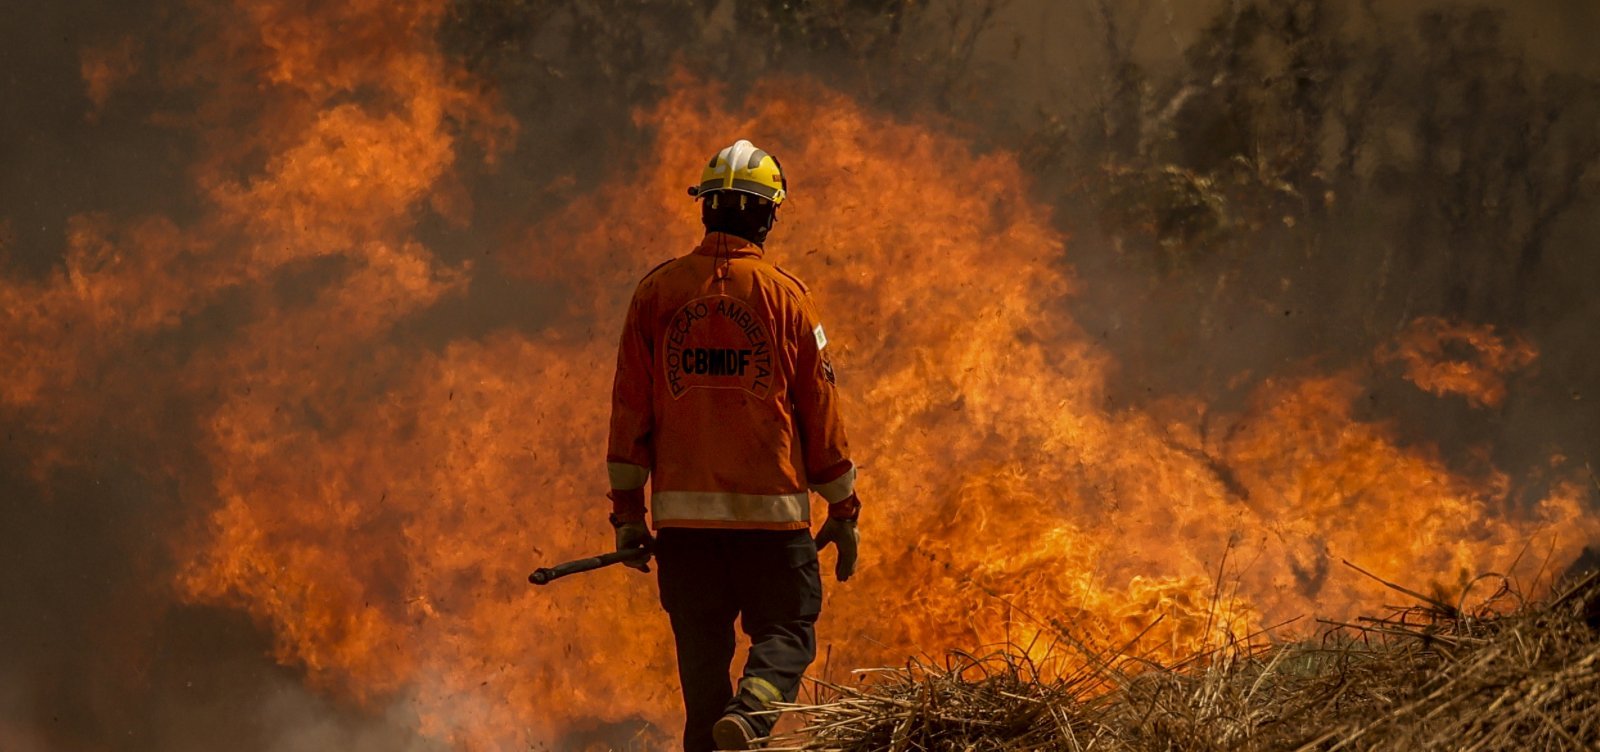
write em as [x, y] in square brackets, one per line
[723, 328]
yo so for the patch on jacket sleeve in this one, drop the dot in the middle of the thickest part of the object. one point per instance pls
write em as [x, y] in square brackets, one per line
[822, 337]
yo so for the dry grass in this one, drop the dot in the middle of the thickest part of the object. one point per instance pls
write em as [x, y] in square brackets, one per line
[1425, 677]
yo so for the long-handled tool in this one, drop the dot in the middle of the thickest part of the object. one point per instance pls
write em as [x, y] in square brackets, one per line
[543, 575]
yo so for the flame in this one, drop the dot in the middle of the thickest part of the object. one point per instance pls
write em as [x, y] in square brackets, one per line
[377, 501]
[1452, 358]
[997, 480]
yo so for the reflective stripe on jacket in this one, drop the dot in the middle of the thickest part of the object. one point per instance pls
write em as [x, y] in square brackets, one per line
[724, 397]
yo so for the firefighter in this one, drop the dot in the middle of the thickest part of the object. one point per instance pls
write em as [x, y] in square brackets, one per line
[724, 402]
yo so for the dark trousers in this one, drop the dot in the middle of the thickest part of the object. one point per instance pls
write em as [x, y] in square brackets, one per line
[769, 581]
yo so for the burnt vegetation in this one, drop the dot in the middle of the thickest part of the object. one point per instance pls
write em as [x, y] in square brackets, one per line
[1433, 676]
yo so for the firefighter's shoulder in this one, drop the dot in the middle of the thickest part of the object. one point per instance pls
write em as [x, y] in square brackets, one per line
[654, 269]
[789, 281]
[652, 278]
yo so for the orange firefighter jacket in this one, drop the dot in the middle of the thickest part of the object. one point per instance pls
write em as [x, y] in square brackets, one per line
[724, 396]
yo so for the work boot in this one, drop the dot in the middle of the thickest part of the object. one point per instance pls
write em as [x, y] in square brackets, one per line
[743, 722]
[733, 731]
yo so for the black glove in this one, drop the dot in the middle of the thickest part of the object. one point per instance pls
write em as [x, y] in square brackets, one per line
[842, 534]
[632, 535]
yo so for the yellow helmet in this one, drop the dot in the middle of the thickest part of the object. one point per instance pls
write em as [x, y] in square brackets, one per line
[746, 169]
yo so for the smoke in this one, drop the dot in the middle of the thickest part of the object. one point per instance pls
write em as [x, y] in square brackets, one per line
[294, 720]
[1283, 187]
[149, 142]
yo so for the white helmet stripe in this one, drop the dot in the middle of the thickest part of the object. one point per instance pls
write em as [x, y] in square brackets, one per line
[739, 153]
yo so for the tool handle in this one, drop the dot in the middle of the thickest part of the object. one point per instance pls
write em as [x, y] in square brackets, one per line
[543, 575]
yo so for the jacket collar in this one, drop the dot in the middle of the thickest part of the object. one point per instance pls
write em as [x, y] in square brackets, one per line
[727, 246]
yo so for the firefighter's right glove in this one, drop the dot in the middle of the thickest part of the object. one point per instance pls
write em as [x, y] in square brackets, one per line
[627, 518]
[631, 535]
[844, 536]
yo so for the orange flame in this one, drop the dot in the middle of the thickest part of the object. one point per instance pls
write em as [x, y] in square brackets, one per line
[378, 503]
[386, 557]
[1472, 361]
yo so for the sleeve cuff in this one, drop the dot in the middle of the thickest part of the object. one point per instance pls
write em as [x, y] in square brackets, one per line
[848, 508]
[626, 475]
[839, 488]
[627, 505]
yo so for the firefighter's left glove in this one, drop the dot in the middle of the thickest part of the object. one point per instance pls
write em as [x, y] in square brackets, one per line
[627, 518]
[843, 535]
